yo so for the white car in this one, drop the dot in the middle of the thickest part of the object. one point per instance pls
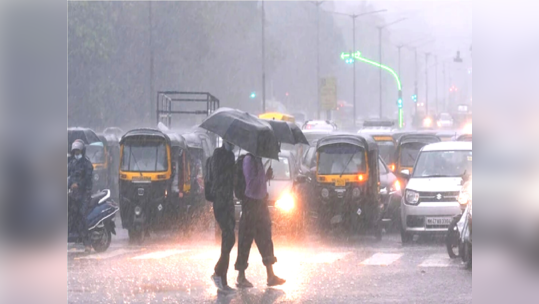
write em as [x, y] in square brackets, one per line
[445, 121]
[323, 125]
[430, 197]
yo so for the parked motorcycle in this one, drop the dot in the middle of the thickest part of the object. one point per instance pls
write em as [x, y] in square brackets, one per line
[459, 234]
[100, 220]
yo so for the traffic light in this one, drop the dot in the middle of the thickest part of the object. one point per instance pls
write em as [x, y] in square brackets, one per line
[414, 97]
[399, 103]
[253, 95]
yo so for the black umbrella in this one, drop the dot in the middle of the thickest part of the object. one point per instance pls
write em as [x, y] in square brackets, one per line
[287, 132]
[243, 130]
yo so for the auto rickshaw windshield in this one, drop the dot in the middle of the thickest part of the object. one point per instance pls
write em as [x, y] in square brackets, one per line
[96, 154]
[147, 156]
[341, 159]
[409, 153]
[386, 149]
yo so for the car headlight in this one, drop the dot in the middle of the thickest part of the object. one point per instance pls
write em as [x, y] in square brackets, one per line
[396, 186]
[356, 192]
[96, 177]
[138, 210]
[325, 193]
[286, 202]
[412, 197]
[463, 198]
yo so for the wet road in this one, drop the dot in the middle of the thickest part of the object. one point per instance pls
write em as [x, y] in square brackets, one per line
[177, 269]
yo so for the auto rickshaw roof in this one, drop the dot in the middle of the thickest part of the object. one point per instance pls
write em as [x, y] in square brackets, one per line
[109, 139]
[418, 137]
[193, 140]
[145, 132]
[361, 140]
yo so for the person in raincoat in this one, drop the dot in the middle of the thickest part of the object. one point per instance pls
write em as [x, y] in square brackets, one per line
[80, 171]
[255, 222]
[222, 176]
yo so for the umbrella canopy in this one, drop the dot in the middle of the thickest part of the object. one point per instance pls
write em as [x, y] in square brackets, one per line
[243, 130]
[287, 132]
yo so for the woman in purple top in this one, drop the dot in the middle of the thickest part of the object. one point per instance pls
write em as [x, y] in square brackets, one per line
[255, 222]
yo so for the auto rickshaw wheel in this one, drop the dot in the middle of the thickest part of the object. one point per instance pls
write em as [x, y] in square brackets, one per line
[136, 236]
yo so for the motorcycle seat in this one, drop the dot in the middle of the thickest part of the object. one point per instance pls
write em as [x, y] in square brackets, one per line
[97, 196]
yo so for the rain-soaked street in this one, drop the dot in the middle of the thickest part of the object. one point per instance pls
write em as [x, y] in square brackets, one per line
[169, 269]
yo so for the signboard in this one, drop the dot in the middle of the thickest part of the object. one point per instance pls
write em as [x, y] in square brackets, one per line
[328, 93]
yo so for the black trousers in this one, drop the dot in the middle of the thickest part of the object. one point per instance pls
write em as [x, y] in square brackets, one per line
[255, 224]
[83, 204]
[223, 211]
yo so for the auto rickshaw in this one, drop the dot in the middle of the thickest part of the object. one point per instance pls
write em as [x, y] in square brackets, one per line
[196, 207]
[347, 183]
[407, 148]
[154, 178]
[105, 157]
[277, 116]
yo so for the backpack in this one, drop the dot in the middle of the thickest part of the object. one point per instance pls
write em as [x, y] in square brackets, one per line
[208, 182]
[239, 178]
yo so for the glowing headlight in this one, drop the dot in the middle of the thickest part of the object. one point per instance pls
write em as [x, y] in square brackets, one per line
[325, 193]
[356, 192]
[463, 198]
[427, 122]
[138, 210]
[96, 177]
[285, 202]
[412, 197]
[396, 186]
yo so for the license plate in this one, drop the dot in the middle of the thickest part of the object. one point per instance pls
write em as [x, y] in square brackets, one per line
[438, 221]
[340, 183]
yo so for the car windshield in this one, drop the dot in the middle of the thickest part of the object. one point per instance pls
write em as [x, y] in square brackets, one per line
[341, 158]
[386, 150]
[443, 164]
[409, 152]
[96, 154]
[148, 156]
[281, 168]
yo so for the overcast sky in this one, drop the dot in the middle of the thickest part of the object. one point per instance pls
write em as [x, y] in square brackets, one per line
[449, 22]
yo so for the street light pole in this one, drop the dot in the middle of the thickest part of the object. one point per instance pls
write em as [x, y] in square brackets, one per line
[436, 81]
[318, 57]
[380, 28]
[427, 82]
[151, 59]
[380, 72]
[354, 16]
[263, 62]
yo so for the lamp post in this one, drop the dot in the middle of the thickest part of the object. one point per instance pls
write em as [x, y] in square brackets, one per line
[380, 28]
[263, 62]
[354, 16]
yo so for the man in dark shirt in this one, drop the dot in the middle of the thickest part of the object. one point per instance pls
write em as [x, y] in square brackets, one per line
[80, 171]
[222, 176]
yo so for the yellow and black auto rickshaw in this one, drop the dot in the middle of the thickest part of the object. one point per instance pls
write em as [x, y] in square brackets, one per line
[347, 178]
[407, 149]
[154, 178]
[105, 157]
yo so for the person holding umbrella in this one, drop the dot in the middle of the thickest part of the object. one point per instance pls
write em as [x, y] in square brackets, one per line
[222, 173]
[257, 137]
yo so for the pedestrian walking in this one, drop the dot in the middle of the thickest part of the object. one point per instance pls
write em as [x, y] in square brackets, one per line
[255, 222]
[221, 173]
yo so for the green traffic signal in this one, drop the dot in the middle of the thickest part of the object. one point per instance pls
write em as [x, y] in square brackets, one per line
[253, 95]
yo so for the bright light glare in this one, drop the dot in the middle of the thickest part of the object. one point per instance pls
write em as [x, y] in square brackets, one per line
[397, 186]
[285, 202]
[427, 122]
[468, 128]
